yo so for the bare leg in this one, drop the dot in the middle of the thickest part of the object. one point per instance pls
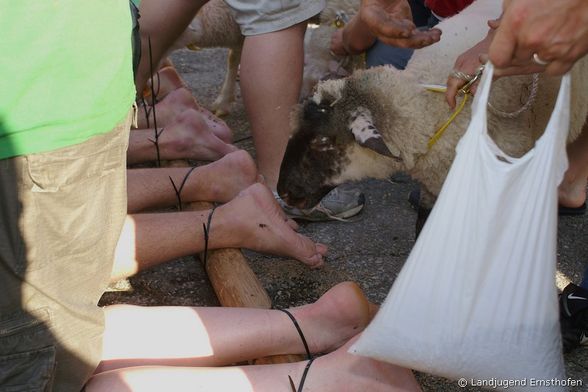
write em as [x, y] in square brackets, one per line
[213, 336]
[222, 104]
[188, 136]
[335, 372]
[572, 190]
[252, 220]
[219, 181]
[271, 86]
[165, 81]
[162, 23]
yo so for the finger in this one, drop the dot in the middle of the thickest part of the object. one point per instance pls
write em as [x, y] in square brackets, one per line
[474, 88]
[453, 86]
[503, 46]
[337, 43]
[322, 248]
[558, 68]
[519, 70]
[494, 23]
[555, 51]
[419, 39]
[522, 54]
[517, 67]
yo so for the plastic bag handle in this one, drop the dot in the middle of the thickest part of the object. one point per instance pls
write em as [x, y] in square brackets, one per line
[480, 103]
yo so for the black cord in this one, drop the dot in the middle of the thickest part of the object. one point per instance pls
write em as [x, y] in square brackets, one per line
[304, 374]
[308, 355]
[206, 227]
[157, 133]
[179, 190]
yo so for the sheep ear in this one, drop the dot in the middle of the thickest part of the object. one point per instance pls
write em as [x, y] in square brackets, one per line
[367, 135]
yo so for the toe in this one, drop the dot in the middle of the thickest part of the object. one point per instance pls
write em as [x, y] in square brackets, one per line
[321, 248]
[292, 223]
[309, 252]
[316, 261]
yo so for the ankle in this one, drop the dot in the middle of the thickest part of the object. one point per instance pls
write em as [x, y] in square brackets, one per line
[226, 229]
[177, 144]
[572, 191]
[243, 164]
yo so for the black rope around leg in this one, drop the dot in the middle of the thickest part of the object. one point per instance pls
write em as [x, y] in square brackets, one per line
[177, 190]
[147, 110]
[304, 374]
[308, 355]
[206, 228]
[157, 131]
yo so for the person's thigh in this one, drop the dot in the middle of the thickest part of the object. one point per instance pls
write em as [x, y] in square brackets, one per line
[382, 54]
[266, 16]
[61, 213]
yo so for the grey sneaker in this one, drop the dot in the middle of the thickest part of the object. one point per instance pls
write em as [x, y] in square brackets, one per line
[339, 204]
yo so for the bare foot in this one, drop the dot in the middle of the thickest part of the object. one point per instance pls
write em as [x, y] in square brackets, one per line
[165, 81]
[190, 137]
[176, 102]
[254, 220]
[229, 175]
[337, 316]
[342, 371]
[572, 191]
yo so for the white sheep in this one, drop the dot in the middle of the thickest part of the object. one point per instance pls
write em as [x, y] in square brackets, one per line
[399, 117]
[215, 26]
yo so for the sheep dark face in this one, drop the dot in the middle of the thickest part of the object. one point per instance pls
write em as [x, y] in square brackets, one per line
[325, 148]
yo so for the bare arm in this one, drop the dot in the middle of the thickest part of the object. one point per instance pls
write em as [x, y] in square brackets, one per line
[354, 38]
[163, 22]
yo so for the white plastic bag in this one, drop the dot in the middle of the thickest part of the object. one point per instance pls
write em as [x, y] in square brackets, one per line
[476, 298]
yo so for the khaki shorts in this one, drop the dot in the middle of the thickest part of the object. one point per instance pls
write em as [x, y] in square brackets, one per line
[61, 214]
[267, 16]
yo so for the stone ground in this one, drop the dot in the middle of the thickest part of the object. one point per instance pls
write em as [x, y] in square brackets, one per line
[369, 250]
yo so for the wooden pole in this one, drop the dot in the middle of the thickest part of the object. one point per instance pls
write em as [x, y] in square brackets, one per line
[234, 282]
[230, 275]
[232, 279]
[236, 285]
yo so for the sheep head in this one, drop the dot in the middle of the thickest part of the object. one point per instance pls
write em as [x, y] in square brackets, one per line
[335, 140]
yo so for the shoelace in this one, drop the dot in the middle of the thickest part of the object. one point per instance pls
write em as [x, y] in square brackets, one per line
[321, 208]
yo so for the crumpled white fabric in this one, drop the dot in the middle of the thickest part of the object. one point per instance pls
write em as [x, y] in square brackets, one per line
[476, 298]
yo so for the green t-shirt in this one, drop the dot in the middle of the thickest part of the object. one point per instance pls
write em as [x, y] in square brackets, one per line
[66, 72]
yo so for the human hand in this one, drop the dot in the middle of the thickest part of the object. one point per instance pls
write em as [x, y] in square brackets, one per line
[556, 31]
[467, 63]
[391, 22]
[337, 46]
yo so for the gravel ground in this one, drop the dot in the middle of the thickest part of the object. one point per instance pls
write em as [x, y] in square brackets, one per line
[369, 250]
